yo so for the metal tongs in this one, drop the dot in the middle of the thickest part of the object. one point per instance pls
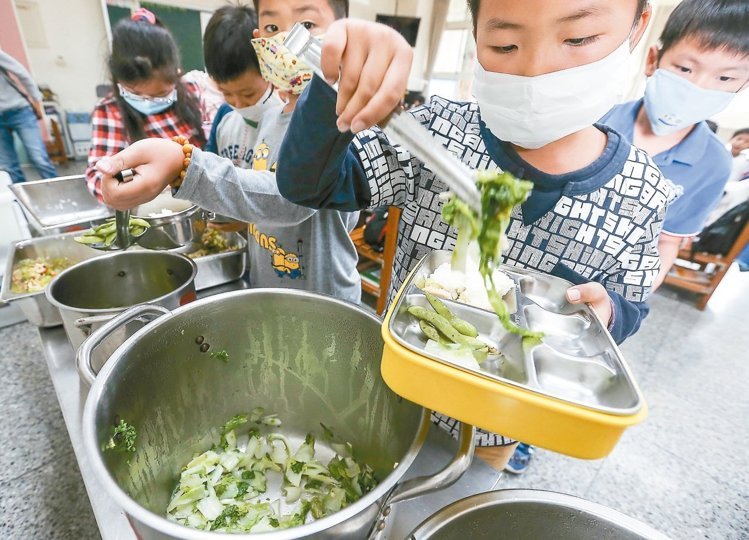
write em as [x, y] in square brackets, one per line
[402, 128]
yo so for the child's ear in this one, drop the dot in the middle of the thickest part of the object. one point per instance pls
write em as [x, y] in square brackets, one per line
[640, 26]
[651, 62]
[256, 33]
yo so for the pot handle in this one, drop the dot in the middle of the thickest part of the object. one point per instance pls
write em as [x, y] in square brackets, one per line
[422, 485]
[85, 351]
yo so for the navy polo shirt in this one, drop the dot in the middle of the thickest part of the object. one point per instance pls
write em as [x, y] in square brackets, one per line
[700, 164]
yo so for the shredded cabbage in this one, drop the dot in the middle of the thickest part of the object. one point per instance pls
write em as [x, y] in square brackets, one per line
[225, 489]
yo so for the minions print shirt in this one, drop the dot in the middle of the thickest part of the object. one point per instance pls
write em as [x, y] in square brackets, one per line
[313, 253]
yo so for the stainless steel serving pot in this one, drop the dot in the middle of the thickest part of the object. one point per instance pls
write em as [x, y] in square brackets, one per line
[306, 357]
[179, 221]
[94, 291]
[526, 514]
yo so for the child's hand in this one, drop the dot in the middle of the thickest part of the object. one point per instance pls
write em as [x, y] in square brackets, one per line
[374, 62]
[595, 295]
[155, 162]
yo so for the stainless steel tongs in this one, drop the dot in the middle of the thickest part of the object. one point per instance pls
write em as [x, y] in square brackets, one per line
[402, 128]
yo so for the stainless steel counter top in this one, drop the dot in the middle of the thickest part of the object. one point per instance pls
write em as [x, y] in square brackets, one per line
[112, 522]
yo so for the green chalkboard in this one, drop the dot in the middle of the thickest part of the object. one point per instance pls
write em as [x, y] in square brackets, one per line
[184, 24]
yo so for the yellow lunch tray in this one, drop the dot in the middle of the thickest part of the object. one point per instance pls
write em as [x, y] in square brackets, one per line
[532, 415]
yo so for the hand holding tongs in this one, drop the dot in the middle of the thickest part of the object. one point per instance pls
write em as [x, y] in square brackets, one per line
[402, 128]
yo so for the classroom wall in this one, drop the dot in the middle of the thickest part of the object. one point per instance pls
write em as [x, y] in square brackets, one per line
[66, 43]
[368, 10]
[11, 40]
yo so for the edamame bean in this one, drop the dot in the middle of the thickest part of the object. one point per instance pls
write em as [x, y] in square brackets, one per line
[444, 326]
[464, 327]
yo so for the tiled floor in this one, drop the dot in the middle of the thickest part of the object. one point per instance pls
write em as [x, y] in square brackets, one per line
[685, 471]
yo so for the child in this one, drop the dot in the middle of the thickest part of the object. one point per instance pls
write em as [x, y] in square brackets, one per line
[290, 246]
[149, 100]
[546, 72]
[233, 65]
[700, 63]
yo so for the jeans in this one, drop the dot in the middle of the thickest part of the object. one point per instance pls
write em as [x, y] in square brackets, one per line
[24, 123]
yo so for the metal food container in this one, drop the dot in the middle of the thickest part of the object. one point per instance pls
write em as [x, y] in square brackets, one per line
[93, 292]
[55, 204]
[310, 359]
[219, 268]
[35, 305]
[527, 514]
[182, 221]
[572, 392]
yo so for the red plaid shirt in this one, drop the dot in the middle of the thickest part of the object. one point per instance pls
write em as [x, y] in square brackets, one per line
[108, 133]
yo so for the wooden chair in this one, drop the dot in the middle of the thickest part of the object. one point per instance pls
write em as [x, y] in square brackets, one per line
[368, 258]
[701, 273]
[56, 146]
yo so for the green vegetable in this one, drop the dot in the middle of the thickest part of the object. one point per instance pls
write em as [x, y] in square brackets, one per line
[221, 355]
[500, 193]
[444, 326]
[106, 233]
[224, 488]
[464, 327]
[432, 333]
[122, 439]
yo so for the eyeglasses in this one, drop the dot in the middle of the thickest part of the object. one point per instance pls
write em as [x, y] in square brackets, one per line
[170, 98]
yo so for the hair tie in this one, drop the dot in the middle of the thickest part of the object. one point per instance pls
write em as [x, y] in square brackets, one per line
[142, 14]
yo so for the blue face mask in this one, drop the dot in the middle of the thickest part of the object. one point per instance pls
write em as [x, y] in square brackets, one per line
[673, 103]
[148, 105]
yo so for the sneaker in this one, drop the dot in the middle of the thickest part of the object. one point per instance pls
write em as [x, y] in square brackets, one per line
[520, 459]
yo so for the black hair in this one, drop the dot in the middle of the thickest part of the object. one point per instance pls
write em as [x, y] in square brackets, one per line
[227, 49]
[339, 7]
[140, 51]
[712, 125]
[716, 24]
[742, 131]
[474, 6]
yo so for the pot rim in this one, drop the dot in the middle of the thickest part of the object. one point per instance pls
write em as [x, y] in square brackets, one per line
[164, 526]
[182, 215]
[49, 289]
[489, 499]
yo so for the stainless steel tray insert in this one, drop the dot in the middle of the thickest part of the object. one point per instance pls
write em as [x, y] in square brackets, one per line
[577, 361]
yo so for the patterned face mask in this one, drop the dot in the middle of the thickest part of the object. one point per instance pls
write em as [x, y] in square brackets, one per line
[279, 67]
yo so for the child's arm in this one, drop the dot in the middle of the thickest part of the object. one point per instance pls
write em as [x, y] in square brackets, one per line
[321, 167]
[317, 165]
[212, 182]
[629, 283]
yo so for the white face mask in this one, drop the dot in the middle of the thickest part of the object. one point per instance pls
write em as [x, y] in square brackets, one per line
[532, 112]
[255, 112]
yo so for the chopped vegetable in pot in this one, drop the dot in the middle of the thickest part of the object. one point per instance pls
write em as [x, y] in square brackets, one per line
[226, 489]
[500, 193]
[122, 439]
[32, 275]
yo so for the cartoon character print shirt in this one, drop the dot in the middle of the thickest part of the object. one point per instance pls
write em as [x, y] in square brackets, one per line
[316, 254]
[289, 246]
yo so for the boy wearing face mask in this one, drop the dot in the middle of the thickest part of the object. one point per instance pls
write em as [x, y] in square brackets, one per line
[546, 72]
[290, 246]
[700, 63]
[233, 65]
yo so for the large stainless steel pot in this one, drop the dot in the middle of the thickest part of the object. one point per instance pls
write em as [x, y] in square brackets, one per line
[94, 291]
[307, 357]
[525, 514]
